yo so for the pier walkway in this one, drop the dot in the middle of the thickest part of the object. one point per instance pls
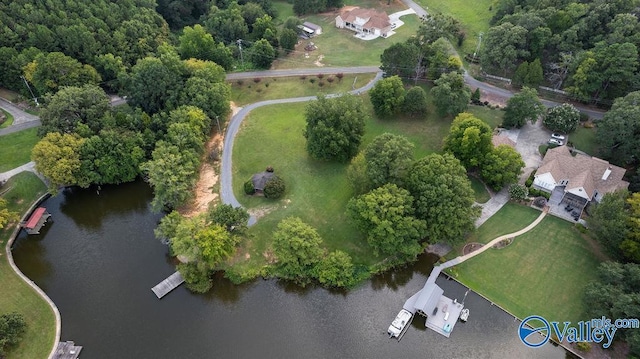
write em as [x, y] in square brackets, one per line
[167, 285]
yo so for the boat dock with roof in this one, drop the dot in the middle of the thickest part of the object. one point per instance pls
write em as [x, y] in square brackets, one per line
[36, 221]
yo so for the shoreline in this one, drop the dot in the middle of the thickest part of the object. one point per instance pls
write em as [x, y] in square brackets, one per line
[28, 281]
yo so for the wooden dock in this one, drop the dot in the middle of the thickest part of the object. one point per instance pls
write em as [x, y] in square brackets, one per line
[167, 285]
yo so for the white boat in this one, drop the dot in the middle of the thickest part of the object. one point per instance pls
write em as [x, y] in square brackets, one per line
[398, 325]
[464, 315]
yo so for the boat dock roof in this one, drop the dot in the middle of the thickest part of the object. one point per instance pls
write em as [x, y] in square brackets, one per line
[437, 322]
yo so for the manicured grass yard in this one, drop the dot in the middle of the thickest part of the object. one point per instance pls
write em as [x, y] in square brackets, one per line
[473, 15]
[247, 91]
[16, 148]
[479, 189]
[8, 121]
[544, 272]
[584, 139]
[17, 295]
[338, 47]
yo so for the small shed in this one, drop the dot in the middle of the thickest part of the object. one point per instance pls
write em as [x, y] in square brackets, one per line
[310, 29]
[36, 221]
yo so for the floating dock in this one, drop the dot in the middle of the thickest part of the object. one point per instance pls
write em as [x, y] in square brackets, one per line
[67, 350]
[167, 285]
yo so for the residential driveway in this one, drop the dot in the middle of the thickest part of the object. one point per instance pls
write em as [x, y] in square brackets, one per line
[19, 116]
[530, 137]
[396, 15]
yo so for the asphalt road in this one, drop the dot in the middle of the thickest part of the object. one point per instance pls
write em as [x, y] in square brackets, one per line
[300, 72]
[19, 116]
[226, 187]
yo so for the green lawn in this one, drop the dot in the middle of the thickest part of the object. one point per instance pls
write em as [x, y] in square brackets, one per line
[37, 342]
[8, 121]
[338, 47]
[473, 15]
[542, 272]
[284, 9]
[584, 139]
[247, 91]
[16, 148]
[479, 190]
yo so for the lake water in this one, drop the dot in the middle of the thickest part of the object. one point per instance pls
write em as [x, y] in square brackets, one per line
[98, 260]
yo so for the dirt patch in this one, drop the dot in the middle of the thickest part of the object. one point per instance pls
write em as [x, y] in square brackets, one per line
[318, 62]
[261, 211]
[471, 247]
[208, 178]
[234, 108]
[269, 256]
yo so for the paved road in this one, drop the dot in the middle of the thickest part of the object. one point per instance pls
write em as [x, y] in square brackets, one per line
[19, 116]
[31, 166]
[226, 188]
[20, 127]
[417, 8]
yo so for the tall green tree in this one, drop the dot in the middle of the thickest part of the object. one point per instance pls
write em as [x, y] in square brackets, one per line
[196, 42]
[262, 54]
[502, 166]
[387, 96]
[72, 106]
[57, 157]
[12, 326]
[152, 85]
[451, 95]
[402, 59]
[334, 127]
[619, 128]
[443, 198]
[233, 219]
[212, 98]
[227, 25]
[336, 270]
[608, 222]
[49, 72]
[415, 102]
[288, 39]
[504, 45]
[297, 247]
[111, 157]
[534, 74]
[469, 140]
[386, 214]
[523, 107]
[6, 216]
[388, 158]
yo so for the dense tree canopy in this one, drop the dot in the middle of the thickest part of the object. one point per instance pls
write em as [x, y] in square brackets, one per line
[334, 127]
[451, 95]
[415, 102]
[503, 46]
[387, 96]
[502, 166]
[608, 222]
[12, 326]
[6, 216]
[402, 59]
[619, 130]
[72, 106]
[297, 247]
[262, 54]
[49, 72]
[57, 157]
[388, 158]
[443, 197]
[615, 294]
[469, 140]
[523, 107]
[386, 214]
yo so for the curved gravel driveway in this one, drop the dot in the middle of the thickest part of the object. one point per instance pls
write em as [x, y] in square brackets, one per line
[226, 187]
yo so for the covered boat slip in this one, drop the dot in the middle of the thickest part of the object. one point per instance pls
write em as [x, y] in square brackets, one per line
[36, 221]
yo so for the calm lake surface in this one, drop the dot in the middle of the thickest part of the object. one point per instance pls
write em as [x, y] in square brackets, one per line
[98, 260]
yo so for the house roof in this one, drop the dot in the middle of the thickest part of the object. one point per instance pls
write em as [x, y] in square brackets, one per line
[498, 140]
[260, 180]
[582, 171]
[311, 25]
[373, 19]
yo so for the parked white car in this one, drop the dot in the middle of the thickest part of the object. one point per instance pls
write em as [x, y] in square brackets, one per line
[553, 141]
[557, 136]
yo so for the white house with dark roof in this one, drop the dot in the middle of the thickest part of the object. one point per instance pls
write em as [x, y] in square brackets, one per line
[367, 21]
[577, 180]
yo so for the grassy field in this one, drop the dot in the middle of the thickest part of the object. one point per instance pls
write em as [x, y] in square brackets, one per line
[8, 121]
[479, 189]
[284, 87]
[473, 15]
[338, 47]
[584, 139]
[544, 271]
[16, 148]
[16, 295]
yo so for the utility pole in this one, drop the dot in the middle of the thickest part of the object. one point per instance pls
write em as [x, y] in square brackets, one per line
[478, 47]
[35, 99]
[218, 122]
[239, 42]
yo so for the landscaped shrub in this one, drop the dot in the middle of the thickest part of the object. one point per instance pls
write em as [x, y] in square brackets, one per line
[538, 193]
[312, 80]
[320, 76]
[320, 83]
[518, 192]
[274, 188]
[196, 279]
[475, 97]
[340, 75]
[529, 181]
[248, 188]
[330, 79]
[257, 79]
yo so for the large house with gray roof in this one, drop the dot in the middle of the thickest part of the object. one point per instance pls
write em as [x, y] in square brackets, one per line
[577, 179]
